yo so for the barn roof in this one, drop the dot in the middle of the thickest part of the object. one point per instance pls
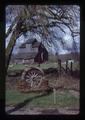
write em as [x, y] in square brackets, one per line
[34, 43]
[25, 55]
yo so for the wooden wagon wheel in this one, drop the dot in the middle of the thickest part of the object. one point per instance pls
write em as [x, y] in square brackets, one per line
[33, 76]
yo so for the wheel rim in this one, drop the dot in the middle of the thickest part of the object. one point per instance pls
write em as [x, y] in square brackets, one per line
[34, 78]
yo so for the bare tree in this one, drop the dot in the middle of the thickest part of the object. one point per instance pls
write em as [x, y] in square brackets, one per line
[39, 19]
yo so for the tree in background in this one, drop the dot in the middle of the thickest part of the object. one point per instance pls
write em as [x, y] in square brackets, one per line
[41, 19]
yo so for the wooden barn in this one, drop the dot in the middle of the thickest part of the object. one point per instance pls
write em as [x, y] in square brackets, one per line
[31, 51]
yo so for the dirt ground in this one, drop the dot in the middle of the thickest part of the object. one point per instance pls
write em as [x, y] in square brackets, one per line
[44, 111]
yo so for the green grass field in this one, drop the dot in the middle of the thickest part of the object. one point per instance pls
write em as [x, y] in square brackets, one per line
[22, 66]
[42, 66]
[16, 67]
[62, 99]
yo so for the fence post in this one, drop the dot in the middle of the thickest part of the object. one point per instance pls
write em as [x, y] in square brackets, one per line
[71, 67]
[66, 65]
[59, 64]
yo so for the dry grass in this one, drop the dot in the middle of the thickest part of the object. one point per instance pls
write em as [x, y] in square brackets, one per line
[66, 82]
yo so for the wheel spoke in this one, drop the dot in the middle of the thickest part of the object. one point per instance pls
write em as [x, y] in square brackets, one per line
[33, 77]
[31, 82]
[28, 80]
[36, 75]
[27, 76]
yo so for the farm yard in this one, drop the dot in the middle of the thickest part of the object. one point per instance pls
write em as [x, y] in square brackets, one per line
[66, 96]
[42, 59]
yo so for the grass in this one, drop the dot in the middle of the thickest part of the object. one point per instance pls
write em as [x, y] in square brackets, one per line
[22, 66]
[17, 67]
[48, 65]
[42, 66]
[62, 99]
[66, 99]
[15, 97]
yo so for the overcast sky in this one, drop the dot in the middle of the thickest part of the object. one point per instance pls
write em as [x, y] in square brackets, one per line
[55, 47]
